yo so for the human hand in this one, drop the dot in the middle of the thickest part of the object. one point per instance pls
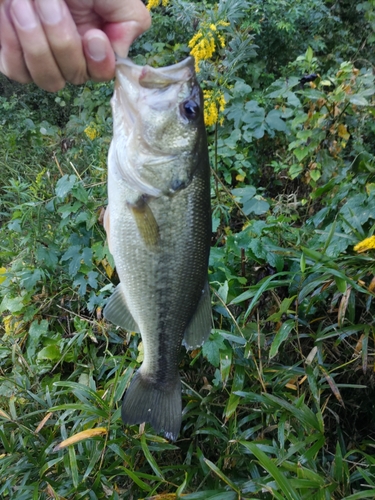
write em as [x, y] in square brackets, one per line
[52, 42]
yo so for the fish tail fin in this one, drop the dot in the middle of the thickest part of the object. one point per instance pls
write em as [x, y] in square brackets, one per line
[158, 404]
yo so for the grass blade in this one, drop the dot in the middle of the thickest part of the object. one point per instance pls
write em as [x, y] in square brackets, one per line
[282, 482]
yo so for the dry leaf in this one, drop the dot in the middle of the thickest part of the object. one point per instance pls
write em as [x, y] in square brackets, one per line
[41, 425]
[332, 385]
[4, 415]
[343, 306]
[98, 431]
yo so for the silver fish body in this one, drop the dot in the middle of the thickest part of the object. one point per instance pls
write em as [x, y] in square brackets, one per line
[158, 224]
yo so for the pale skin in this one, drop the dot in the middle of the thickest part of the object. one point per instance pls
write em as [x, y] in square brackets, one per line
[51, 42]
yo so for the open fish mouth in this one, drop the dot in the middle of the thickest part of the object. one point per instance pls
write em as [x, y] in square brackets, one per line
[157, 78]
[169, 83]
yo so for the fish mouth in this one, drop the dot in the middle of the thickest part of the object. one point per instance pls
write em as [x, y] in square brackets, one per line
[134, 83]
[157, 78]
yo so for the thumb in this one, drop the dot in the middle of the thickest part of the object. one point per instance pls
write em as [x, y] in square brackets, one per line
[122, 35]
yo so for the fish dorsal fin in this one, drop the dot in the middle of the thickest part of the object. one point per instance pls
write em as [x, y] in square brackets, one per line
[199, 328]
[116, 311]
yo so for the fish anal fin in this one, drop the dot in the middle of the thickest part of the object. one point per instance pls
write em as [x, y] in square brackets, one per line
[147, 401]
[199, 328]
[116, 311]
[146, 223]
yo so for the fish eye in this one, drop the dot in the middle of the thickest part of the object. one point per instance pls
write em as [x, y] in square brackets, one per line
[190, 109]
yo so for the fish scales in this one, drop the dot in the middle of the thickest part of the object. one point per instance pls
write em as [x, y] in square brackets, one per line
[158, 225]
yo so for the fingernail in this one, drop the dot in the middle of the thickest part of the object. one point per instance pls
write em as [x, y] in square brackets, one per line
[23, 14]
[96, 48]
[50, 11]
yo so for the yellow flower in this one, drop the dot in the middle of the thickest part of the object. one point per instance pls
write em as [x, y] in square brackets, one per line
[2, 272]
[91, 132]
[195, 38]
[214, 103]
[366, 244]
[11, 325]
[221, 102]
[204, 43]
[152, 4]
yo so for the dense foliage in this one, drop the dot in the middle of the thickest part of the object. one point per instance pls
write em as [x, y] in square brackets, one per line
[280, 402]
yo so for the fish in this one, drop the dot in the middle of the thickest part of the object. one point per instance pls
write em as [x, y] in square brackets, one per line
[158, 225]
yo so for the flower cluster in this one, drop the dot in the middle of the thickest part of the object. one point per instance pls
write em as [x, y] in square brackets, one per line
[366, 244]
[214, 103]
[91, 132]
[152, 4]
[205, 42]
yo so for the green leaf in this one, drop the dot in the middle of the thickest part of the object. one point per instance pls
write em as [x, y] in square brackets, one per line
[282, 482]
[223, 291]
[13, 305]
[51, 352]
[255, 115]
[36, 331]
[237, 385]
[256, 206]
[212, 495]
[242, 195]
[47, 256]
[275, 122]
[221, 475]
[301, 153]
[225, 363]
[64, 185]
[133, 476]
[295, 170]
[309, 54]
[281, 336]
[74, 255]
[150, 459]
[211, 348]
[358, 100]
[284, 309]
[361, 494]
[341, 284]
[73, 466]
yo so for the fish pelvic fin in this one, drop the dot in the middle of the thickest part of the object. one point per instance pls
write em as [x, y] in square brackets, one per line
[199, 327]
[158, 404]
[116, 311]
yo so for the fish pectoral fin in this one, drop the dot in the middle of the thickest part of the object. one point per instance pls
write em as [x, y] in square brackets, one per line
[199, 328]
[146, 223]
[106, 222]
[117, 311]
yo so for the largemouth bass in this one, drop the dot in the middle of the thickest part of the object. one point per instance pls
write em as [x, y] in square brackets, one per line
[158, 225]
